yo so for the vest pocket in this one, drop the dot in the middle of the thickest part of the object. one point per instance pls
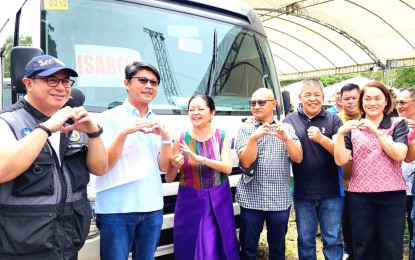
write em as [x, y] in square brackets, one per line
[81, 222]
[78, 170]
[24, 233]
[37, 180]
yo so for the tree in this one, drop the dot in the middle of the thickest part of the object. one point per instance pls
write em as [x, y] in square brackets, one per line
[404, 77]
[23, 41]
[400, 77]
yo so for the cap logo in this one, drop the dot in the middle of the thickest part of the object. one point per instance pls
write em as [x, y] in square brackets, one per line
[49, 61]
[45, 62]
[60, 62]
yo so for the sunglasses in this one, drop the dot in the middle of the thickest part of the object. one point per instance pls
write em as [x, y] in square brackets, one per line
[144, 81]
[260, 102]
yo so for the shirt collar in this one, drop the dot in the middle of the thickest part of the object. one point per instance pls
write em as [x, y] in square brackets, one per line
[385, 123]
[39, 117]
[346, 118]
[323, 113]
[134, 111]
[259, 123]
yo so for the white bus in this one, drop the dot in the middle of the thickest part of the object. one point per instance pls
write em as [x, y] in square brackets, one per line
[218, 48]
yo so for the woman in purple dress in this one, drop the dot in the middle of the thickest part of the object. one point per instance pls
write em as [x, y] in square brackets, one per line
[204, 226]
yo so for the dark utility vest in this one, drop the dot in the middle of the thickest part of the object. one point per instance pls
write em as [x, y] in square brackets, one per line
[44, 212]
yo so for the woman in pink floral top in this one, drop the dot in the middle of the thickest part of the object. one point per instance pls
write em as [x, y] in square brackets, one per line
[377, 144]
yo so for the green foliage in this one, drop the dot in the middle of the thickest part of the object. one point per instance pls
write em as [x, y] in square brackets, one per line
[404, 77]
[398, 78]
[23, 41]
[287, 82]
[328, 80]
[375, 75]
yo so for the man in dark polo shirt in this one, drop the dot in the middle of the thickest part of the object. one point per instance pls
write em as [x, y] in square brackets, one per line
[318, 188]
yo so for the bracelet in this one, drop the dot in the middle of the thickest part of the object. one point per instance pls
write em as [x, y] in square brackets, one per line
[203, 161]
[44, 128]
[380, 133]
[166, 141]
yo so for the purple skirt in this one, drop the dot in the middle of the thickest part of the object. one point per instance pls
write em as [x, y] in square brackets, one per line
[204, 225]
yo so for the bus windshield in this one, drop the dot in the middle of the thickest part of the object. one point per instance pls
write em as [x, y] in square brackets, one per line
[194, 53]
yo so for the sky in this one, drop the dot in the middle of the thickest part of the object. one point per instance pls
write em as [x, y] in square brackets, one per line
[8, 10]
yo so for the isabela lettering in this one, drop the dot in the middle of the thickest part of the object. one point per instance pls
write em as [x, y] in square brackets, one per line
[100, 64]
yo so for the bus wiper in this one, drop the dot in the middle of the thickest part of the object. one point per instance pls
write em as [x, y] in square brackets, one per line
[213, 65]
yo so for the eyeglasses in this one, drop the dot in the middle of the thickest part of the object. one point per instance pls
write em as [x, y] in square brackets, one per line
[144, 81]
[260, 102]
[54, 82]
[402, 103]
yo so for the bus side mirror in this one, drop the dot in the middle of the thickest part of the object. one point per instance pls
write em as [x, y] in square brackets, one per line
[76, 99]
[19, 57]
[286, 101]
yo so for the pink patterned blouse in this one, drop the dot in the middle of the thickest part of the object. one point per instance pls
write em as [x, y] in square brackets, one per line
[373, 170]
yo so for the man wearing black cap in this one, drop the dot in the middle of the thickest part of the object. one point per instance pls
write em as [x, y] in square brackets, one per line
[44, 167]
[129, 201]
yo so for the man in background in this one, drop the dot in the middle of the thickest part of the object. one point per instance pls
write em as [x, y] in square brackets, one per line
[394, 112]
[338, 105]
[350, 98]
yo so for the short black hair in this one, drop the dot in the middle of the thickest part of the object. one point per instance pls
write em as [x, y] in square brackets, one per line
[349, 87]
[132, 69]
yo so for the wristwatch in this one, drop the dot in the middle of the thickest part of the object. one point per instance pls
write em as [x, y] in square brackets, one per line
[380, 133]
[97, 133]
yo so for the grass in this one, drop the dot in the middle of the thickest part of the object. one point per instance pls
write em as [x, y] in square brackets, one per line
[291, 243]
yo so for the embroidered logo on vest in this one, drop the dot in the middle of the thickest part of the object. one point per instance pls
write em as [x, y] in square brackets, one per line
[26, 131]
[75, 136]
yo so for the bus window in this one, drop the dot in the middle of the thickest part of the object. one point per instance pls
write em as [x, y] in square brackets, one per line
[179, 44]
